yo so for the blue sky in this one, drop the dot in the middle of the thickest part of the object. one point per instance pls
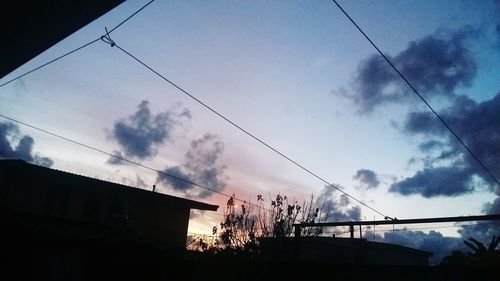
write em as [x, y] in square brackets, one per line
[289, 72]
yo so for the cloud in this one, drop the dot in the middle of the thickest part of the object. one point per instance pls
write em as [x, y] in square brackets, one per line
[137, 181]
[140, 134]
[179, 182]
[116, 160]
[478, 125]
[436, 64]
[367, 178]
[20, 87]
[430, 145]
[433, 241]
[484, 231]
[452, 170]
[200, 166]
[24, 148]
[440, 245]
[497, 16]
[431, 182]
[336, 209]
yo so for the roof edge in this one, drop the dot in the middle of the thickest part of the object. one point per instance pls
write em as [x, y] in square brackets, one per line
[192, 203]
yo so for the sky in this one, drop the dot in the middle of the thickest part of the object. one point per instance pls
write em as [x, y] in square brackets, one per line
[298, 75]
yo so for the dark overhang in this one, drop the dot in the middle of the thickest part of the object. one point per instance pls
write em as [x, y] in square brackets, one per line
[31, 27]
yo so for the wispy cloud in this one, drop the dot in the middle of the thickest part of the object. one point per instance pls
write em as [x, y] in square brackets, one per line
[201, 165]
[336, 208]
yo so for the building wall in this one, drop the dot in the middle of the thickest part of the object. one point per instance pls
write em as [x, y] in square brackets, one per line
[155, 220]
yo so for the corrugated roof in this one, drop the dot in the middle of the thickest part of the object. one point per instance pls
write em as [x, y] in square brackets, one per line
[22, 165]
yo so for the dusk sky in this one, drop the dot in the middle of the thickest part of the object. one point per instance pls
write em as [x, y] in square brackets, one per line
[298, 75]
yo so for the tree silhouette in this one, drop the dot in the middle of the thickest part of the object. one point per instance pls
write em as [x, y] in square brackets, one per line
[480, 255]
[480, 249]
[242, 226]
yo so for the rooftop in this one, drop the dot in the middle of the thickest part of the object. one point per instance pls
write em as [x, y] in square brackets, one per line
[110, 186]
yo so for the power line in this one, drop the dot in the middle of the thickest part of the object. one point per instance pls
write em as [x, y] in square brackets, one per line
[420, 96]
[130, 161]
[49, 62]
[76, 49]
[131, 16]
[96, 149]
[108, 40]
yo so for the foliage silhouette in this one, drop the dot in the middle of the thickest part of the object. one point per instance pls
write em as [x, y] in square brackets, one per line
[239, 232]
[480, 255]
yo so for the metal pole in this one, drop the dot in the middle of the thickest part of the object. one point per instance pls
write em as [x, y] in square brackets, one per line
[298, 230]
[404, 221]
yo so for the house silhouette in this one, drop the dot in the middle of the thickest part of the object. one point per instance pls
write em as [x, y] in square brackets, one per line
[71, 225]
[341, 251]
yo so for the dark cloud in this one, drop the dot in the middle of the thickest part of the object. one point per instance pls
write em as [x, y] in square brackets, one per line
[431, 182]
[484, 231]
[140, 134]
[430, 145]
[497, 17]
[367, 178]
[24, 148]
[200, 166]
[423, 123]
[436, 64]
[433, 241]
[117, 160]
[177, 183]
[336, 209]
[373, 83]
[478, 125]
[442, 246]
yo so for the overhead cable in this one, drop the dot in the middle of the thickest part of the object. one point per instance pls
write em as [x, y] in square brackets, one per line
[416, 92]
[121, 158]
[76, 49]
[337, 187]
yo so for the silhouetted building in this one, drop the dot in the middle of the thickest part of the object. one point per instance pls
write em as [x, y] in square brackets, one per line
[67, 221]
[346, 251]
